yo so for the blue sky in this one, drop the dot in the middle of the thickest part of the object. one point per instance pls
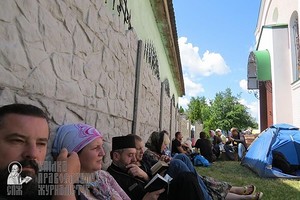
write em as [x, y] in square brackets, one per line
[215, 38]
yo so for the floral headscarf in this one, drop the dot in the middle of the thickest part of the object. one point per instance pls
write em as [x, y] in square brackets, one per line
[74, 137]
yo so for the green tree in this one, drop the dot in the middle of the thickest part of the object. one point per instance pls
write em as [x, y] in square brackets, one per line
[224, 112]
[197, 109]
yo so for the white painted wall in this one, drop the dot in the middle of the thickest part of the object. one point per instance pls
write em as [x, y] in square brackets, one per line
[296, 104]
[286, 94]
[282, 101]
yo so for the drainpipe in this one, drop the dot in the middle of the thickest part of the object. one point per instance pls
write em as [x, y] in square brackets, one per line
[137, 86]
[161, 105]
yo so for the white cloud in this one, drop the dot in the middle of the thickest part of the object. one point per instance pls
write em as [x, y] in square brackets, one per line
[194, 65]
[183, 101]
[244, 84]
[192, 89]
[252, 106]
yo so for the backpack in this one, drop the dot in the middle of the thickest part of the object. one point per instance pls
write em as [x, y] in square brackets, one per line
[229, 151]
[199, 160]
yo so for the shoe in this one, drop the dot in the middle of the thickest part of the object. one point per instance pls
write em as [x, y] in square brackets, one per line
[246, 189]
[257, 196]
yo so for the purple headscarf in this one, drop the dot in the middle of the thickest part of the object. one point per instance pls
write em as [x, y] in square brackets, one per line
[74, 137]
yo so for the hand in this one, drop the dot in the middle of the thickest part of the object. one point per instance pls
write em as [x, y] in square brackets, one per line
[72, 165]
[153, 195]
[185, 145]
[136, 171]
[165, 158]
[71, 172]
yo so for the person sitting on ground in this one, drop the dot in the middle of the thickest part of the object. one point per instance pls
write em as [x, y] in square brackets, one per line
[179, 163]
[187, 146]
[177, 146]
[24, 134]
[156, 145]
[216, 141]
[237, 140]
[211, 188]
[126, 172]
[205, 146]
[140, 149]
[87, 142]
[223, 139]
[168, 150]
[221, 135]
[184, 184]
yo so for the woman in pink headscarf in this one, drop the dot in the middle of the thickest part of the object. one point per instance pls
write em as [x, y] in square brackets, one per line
[85, 140]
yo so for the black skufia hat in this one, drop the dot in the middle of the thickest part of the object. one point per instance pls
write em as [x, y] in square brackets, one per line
[123, 142]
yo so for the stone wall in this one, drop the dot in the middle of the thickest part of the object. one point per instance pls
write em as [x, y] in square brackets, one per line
[149, 102]
[77, 61]
[185, 127]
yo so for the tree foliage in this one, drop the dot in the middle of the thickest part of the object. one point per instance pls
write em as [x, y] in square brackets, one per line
[197, 109]
[224, 112]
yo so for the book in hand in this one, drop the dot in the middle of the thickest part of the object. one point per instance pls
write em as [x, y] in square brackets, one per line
[158, 182]
[159, 167]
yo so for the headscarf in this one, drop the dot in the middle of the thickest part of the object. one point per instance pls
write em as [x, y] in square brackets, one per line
[74, 137]
[155, 141]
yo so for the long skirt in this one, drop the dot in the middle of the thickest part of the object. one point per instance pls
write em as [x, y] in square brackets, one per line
[216, 189]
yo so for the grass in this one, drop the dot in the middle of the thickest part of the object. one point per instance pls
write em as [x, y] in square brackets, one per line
[237, 175]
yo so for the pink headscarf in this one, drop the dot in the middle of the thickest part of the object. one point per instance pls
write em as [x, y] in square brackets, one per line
[74, 137]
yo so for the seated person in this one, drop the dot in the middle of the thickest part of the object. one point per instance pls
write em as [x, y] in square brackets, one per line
[216, 141]
[205, 146]
[156, 144]
[221, 135]
[24, 134]
[85, 140]
[187, 146]
[184, 181]
[177, 146]
[223, 139]
[211, 188]
[125, 170]
[123, 162]
[237, 140]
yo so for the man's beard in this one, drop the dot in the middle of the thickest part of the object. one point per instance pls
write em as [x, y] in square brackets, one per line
[29, 189]
[121, 166]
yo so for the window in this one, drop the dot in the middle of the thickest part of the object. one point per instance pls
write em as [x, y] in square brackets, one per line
[296, 52]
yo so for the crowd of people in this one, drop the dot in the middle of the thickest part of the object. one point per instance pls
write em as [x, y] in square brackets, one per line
[212, 145]
[76, 171]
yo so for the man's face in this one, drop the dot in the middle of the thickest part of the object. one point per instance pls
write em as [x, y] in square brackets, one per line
[179, 137]
[23, 138]
[139, 150]
[234, 133]
[126, 157]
